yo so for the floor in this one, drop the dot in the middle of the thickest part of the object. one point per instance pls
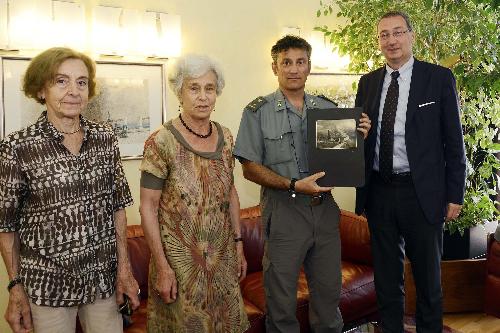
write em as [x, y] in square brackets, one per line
[473, 323]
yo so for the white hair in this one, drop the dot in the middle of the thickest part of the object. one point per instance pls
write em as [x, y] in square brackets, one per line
[193, 66]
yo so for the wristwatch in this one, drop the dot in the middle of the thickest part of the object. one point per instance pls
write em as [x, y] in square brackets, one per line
[291, 189]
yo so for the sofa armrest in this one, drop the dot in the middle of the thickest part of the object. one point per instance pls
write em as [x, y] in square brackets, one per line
[355, 238]
[492, 285]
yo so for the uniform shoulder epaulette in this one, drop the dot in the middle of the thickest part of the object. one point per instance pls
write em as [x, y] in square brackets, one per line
[256, 104]
[326, 99]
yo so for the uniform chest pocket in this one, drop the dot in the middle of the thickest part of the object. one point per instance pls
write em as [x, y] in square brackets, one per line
[278, 148]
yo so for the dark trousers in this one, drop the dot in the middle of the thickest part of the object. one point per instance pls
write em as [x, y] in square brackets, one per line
[298, 233]
[398, 225]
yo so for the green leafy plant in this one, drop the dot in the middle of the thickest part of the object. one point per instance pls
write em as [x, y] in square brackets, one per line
[462, 35]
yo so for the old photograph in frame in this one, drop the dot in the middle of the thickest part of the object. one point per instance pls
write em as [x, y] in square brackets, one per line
[130, 98]
[335, 146]
[336, 134]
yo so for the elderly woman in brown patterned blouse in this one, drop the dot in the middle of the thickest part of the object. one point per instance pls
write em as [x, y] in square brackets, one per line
[190, 212]
[63, 195]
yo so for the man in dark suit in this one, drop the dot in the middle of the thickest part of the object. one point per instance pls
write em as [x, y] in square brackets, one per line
[415, 172]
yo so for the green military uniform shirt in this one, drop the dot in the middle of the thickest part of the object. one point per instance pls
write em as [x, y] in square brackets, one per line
[273, 133]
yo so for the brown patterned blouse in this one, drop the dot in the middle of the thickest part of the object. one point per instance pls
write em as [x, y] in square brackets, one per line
[62, 205]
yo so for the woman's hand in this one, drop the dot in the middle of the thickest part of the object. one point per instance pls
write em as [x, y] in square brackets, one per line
[126, 284]
[364, 125]
[18, 313]
[166, 285]
[242, 262]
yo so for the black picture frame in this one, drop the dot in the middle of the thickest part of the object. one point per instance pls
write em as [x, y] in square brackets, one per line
[336, 147]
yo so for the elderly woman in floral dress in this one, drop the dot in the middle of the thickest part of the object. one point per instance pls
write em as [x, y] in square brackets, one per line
[190, 212]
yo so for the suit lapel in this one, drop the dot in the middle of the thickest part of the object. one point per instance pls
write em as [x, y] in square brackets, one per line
[418, 76]
[375, 105]
[379, 83]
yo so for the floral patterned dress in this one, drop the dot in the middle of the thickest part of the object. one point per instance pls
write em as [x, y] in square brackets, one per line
[196, 234]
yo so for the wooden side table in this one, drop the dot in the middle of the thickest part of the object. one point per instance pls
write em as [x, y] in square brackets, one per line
[462, 282]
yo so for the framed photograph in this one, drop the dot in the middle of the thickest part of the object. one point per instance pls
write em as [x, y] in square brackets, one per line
[336, 134]
[335, 146]
[130, 97]
[340, 88]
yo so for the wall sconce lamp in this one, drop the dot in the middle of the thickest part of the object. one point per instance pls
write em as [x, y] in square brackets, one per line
[24, 24]
[4, 22]
[106, 31]
[39, 24]
[68, 25]
[323, 58]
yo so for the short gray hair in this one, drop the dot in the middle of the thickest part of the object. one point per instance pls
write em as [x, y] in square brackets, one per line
[193, 66]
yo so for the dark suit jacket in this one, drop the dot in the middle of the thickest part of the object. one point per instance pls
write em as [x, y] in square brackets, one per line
[433, 134]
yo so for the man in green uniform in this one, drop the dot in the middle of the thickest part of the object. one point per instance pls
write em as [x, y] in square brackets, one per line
[300, 218]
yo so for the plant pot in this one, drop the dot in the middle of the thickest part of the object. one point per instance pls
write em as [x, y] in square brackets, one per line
[472, 245]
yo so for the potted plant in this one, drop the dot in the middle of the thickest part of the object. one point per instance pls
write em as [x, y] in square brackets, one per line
[461, 35]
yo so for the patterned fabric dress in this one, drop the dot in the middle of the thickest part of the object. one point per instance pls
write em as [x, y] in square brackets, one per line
[197, 235]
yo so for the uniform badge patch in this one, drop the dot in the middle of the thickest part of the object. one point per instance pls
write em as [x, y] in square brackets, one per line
[256, 104]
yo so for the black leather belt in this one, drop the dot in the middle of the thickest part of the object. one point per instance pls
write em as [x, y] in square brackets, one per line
[316, 200]
[309, 200]
[401, 177]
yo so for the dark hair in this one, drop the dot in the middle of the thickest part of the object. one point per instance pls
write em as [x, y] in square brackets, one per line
[290, 42]
[398, 13]
[43, 69]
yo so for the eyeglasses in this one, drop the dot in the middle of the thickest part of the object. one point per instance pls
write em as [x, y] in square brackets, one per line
[396, 34]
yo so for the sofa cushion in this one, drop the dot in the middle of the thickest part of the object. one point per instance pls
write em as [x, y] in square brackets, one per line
[256, 317]
[355, 236]
[252, 290]
[357, 298]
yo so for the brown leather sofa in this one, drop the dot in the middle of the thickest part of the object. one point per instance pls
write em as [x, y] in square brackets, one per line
[492, 286]
[358, 303]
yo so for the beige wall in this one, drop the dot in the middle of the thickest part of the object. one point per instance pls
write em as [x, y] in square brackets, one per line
[239, 34]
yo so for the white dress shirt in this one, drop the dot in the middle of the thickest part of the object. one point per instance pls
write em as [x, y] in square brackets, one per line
[400, 158]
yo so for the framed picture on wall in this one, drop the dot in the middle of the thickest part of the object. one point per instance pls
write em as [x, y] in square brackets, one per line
[130, 97]
[340, 88]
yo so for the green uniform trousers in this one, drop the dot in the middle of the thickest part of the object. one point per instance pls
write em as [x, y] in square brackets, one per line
[299, 232]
